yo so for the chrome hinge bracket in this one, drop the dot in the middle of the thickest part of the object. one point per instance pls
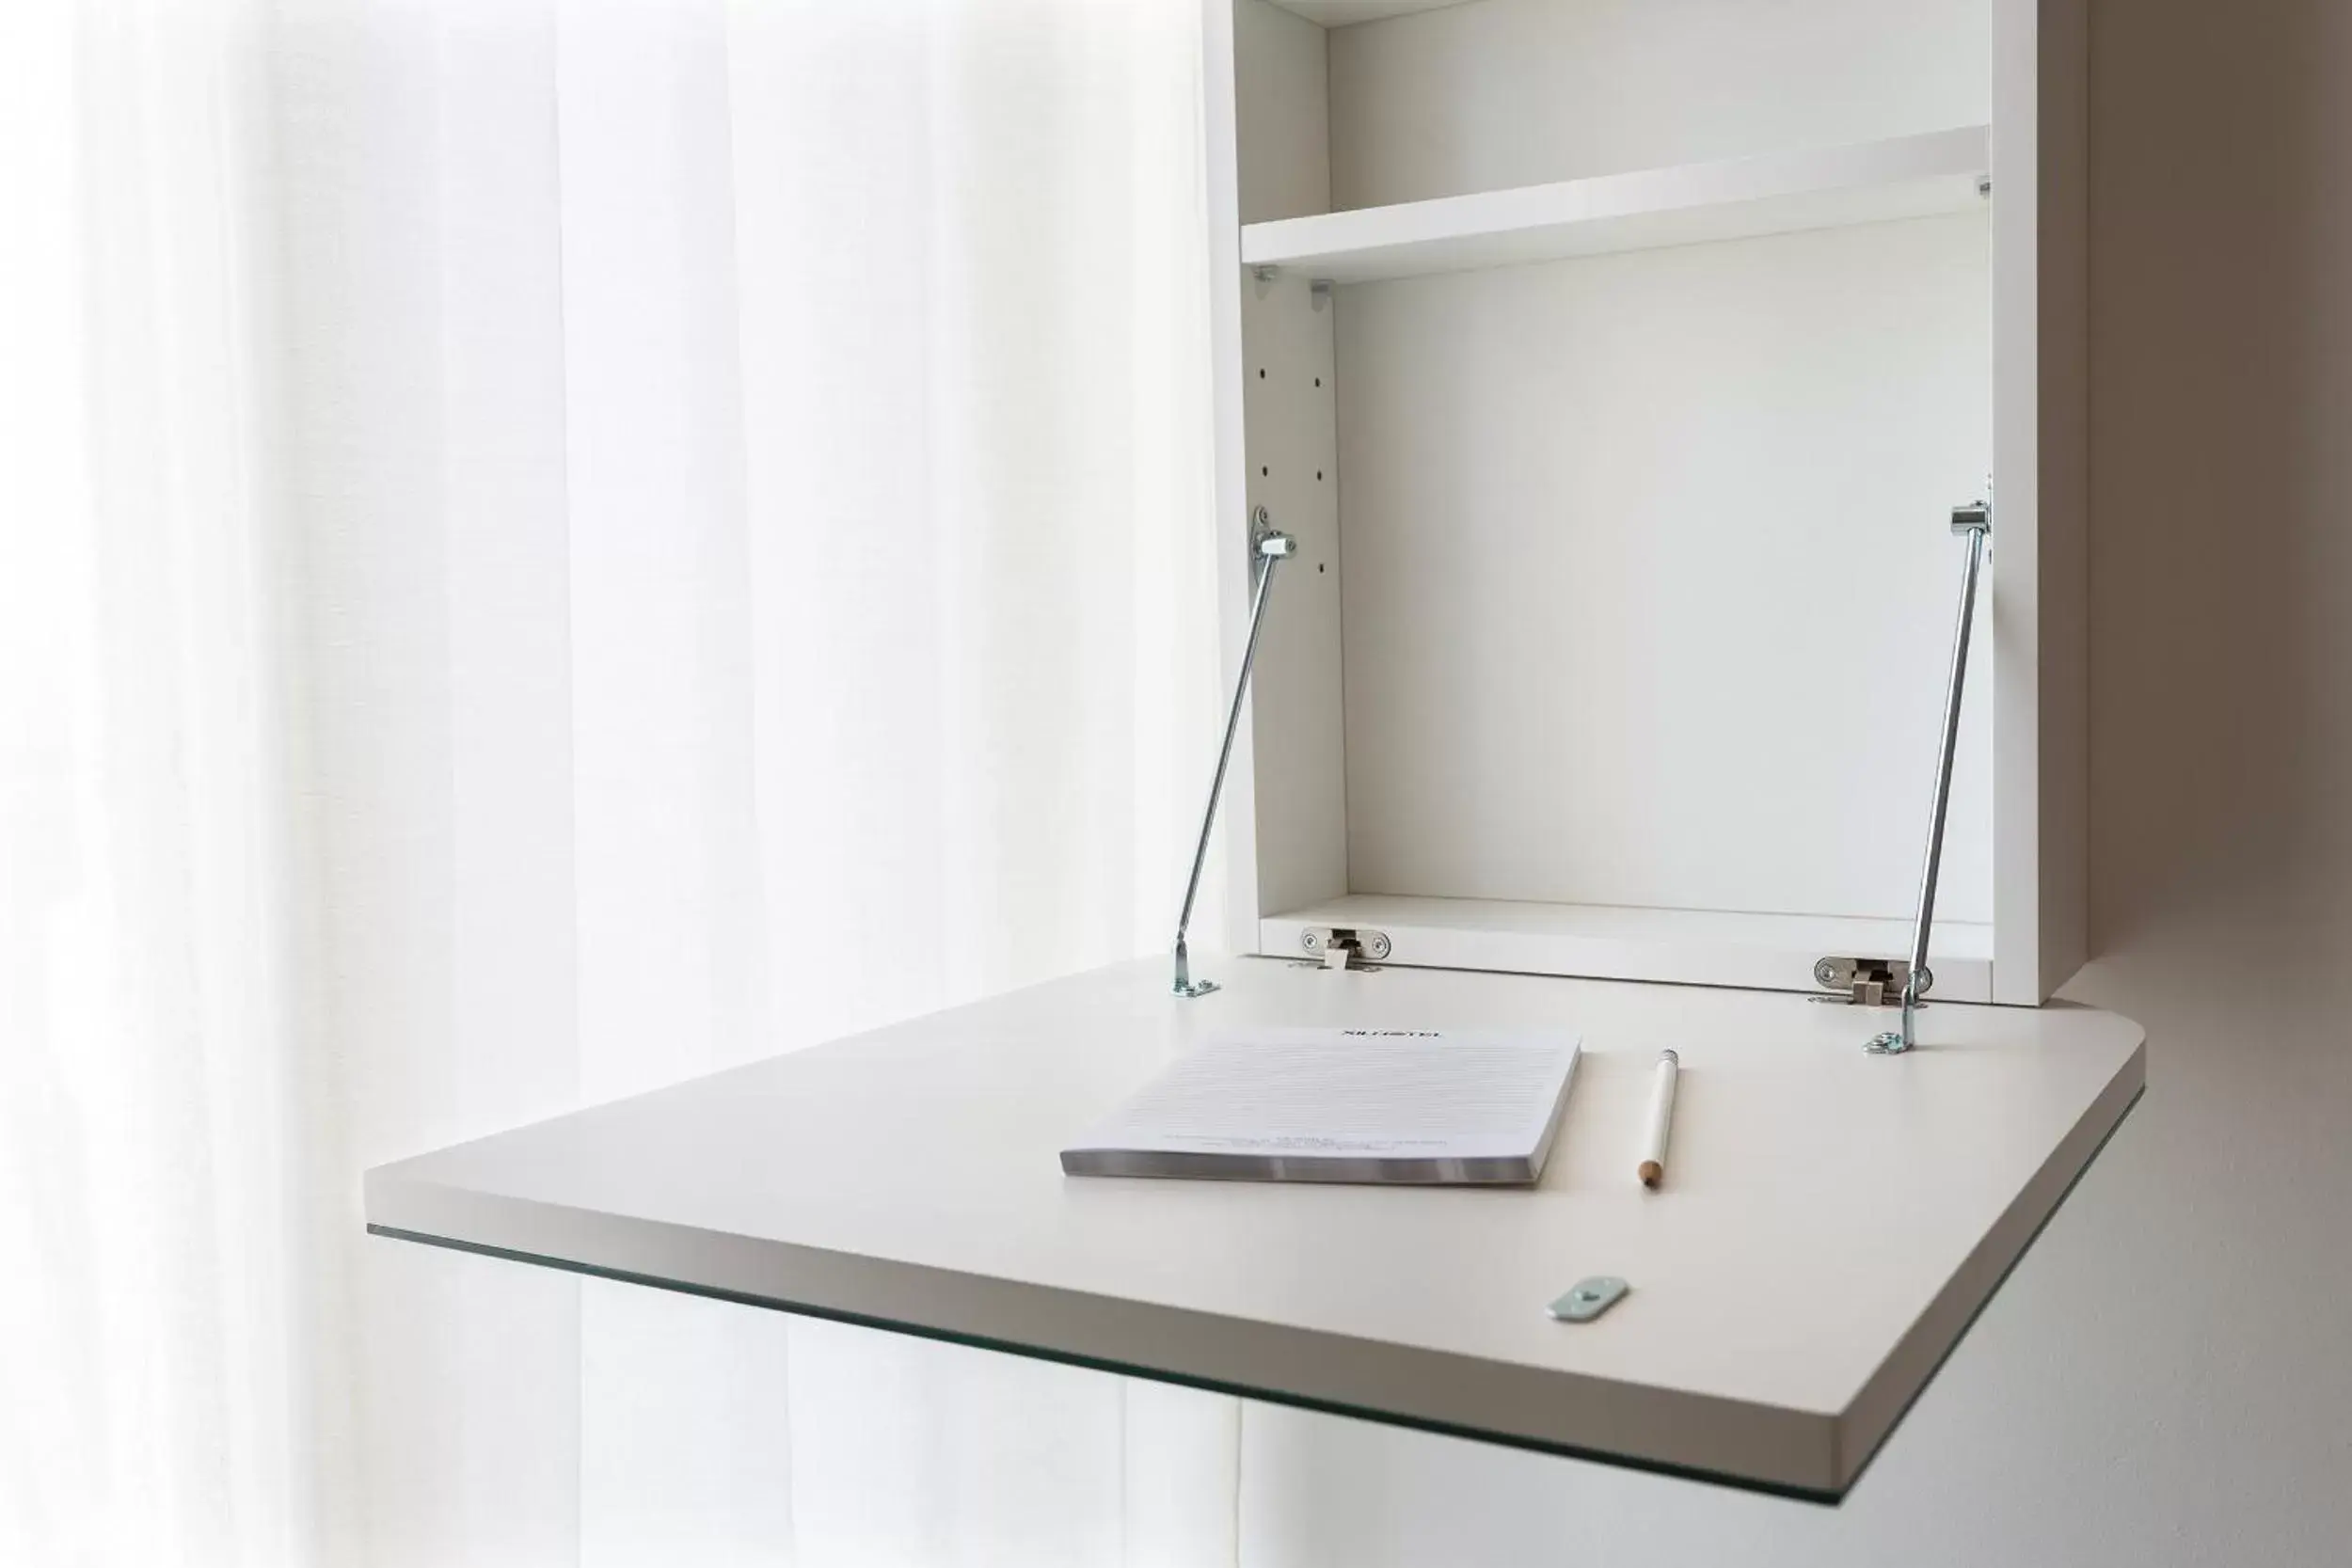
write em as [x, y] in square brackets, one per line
[1867, 982]
[1345, 946]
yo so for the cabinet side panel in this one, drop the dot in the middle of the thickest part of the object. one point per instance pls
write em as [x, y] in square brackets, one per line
[1285, 379]
[2063, 214]
[1282, 118]
[1231, 524]
[1301, 744]
[2040, 407]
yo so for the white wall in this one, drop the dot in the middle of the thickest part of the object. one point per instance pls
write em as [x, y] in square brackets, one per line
[2166, 1378]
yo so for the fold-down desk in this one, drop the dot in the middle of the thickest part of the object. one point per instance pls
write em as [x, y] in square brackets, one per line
[1831, 1224]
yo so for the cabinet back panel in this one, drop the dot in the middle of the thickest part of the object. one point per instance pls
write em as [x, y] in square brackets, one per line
[1518, 92]
[1649, 586]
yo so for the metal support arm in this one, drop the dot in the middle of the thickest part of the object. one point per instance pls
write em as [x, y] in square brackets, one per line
[1269, 550]
[1973, 521]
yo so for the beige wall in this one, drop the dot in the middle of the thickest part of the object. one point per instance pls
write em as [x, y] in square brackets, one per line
[2167, 1376]
[2185, 1341]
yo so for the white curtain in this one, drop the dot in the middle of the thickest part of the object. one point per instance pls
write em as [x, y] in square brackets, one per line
[552, 545]
[172, 1381]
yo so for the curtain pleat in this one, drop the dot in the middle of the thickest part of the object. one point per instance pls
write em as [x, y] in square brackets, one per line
[575, 543]
[765, 546]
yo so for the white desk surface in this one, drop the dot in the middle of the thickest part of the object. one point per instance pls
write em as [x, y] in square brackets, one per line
[1830, 1224]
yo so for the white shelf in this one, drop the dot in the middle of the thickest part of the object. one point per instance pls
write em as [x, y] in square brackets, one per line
[1769, 951]
[1831, 1222]
[1770, 194]
[1346, 13]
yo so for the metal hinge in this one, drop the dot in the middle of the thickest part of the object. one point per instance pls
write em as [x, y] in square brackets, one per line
[1343, 946]
[1868, 982]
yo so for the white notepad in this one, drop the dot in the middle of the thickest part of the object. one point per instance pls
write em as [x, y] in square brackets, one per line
[1469, 1107]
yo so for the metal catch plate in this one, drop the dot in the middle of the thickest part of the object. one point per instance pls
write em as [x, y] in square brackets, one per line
[1867, 982]
[1588, 1299]
[1341, 946]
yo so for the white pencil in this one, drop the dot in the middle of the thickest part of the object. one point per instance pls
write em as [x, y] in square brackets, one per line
[1661, 1115]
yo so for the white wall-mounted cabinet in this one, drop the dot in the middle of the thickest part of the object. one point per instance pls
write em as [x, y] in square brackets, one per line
[1617, 365]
